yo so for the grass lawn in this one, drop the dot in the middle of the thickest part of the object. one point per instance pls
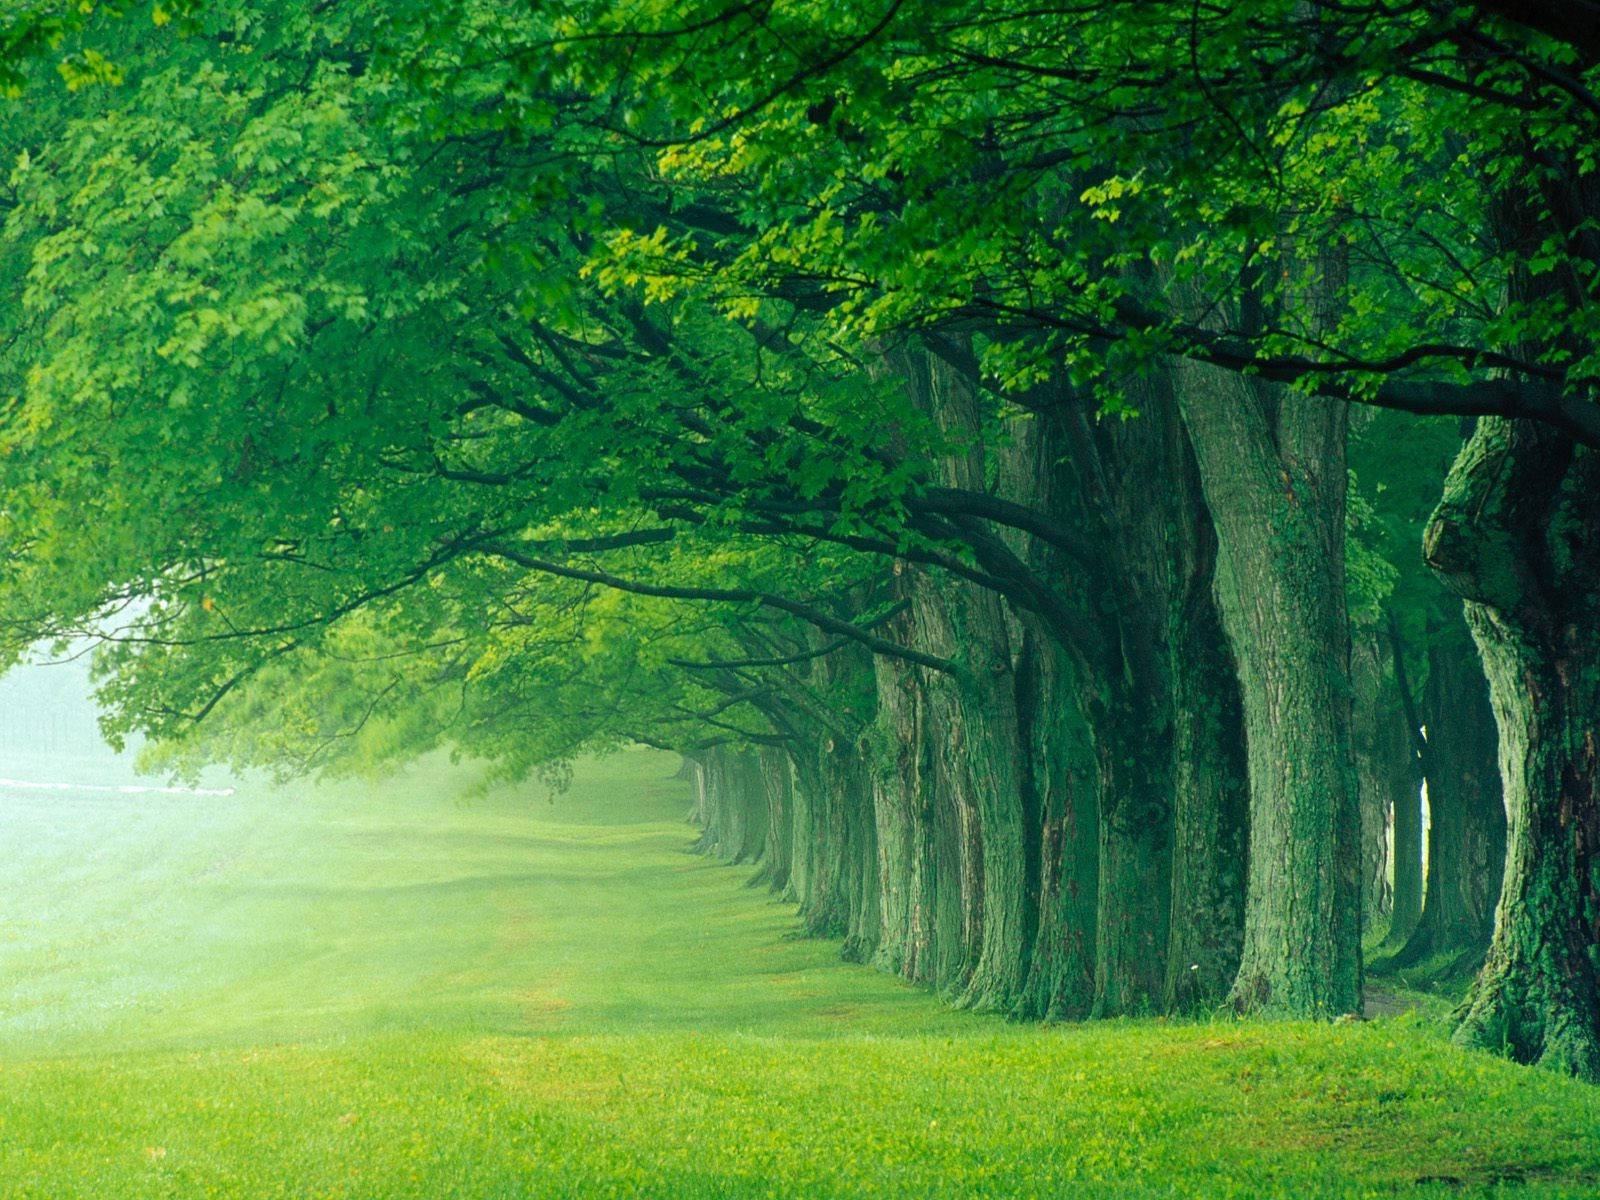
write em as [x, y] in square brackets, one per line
[406, 990]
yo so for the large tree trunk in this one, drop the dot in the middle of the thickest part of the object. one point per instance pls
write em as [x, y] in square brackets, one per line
[848, 775]
[1273, 469]
[1467, 816]
[833, 848]
[777, 780]
[902, 797]
[1211, 789]
[1064, 808]
[1122, 674]
[1133, 754]
[731, 805]
[819, 874]
[1518, 536]
[977, 763]
[1374, 769]
[1156, 696]
[1211, 842]
[1393, 738]
[1060, 795]
[969, 720]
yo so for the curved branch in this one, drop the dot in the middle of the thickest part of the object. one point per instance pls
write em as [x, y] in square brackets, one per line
[815, 616]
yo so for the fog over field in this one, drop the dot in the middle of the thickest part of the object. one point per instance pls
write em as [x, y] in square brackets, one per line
[137, 913]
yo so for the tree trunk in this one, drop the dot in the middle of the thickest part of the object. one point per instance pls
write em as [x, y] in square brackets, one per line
[977, 757]
[1273, 469]
[732, 806]
[1060, 794]
[820, 869]
[1467, 816]
[848, 778]
[1374, 770]
[902, 794]
[1123, 589]
[1133, 755]
[971, 720]
[1211, 842]
[1211, 789]
[1405, 807]
[748, 839]
[1518, 536]
[1063, 805]
[777, 782]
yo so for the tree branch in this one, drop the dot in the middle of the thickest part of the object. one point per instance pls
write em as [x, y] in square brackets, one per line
[815, 616]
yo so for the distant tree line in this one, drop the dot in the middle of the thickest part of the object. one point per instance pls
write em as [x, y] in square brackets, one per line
[1034, 462]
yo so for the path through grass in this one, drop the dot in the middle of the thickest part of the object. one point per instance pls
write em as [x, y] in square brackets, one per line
[405, 991]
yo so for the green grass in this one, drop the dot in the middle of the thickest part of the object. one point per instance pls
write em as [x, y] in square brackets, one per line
[404, 991]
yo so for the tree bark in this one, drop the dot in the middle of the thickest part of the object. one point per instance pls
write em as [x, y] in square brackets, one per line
[1211, 788]
[848, 777]
[1123, 589]
[731, 805]
[1467, 819]
[777, 783]
[1064, 810]
[1374, 767]
[820, 871]
[1517, 535]
[1273, 469]
[903, 798]
[970, 718]
[1211, 840]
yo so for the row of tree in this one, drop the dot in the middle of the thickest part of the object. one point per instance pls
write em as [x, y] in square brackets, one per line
[935, 419]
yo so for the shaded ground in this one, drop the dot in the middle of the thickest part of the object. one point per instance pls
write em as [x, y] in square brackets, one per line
[1382, 1001]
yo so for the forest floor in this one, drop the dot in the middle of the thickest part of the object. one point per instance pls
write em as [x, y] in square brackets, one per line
[412, 990]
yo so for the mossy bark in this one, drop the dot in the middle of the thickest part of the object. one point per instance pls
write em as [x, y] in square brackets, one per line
[1273, 470]
[833, 851]
[976, 759]
[902, 802]
[1211, 836]
[1122, 587]
[748, 837]
[1150, 677]
[1064, 809]
[1211, 789]
[731, 806]
[1373, 745]
[1517, 535]
[1467, 819]
[1133, 756]
[848, 778]
[820, 873]
[973, 754]
[777, 784]
[802, 837]
[920, 852]
[1398, 777]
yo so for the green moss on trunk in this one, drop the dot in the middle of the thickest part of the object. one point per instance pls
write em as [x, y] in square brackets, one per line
[1518, 536]
[1273, 470]
[1466, 810]
[1061, 777]
[777, 783]
[1211, 818]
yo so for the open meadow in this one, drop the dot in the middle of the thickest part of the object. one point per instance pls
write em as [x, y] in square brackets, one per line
[407, 989]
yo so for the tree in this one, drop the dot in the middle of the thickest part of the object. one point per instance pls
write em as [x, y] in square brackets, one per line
[888, 342]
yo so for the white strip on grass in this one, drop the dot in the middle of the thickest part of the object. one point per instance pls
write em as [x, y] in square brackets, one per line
[124, 790]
